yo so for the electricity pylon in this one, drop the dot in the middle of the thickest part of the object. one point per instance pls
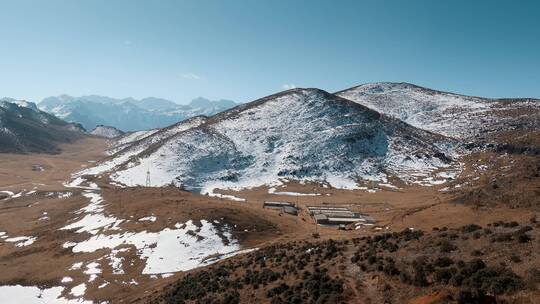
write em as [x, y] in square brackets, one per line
[148, 178]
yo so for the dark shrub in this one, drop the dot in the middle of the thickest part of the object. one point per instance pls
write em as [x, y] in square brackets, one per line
[446, 246]
[420, 279]
[404, 278]
[443, 262]
[470, 228]
[524, 238]
[495, 281]
[277, 290]
[442, 276]
[525, 229]
[502, 237]
[472, 267]
[474, 297]
[391, 269]
[515, 258]
[457, 279]
[477, 253]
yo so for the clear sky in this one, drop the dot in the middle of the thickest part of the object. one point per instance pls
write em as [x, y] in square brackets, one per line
[243, 50]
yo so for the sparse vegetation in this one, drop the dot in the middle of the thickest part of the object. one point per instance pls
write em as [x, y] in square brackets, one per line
[268, 272]
[312, 272]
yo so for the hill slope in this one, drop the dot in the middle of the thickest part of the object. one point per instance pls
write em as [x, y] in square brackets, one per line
[302, 134]
[469, 264]
[106, 131]
[25, 129]
[454, 115]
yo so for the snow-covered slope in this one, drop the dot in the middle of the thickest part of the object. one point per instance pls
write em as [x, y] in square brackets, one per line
[128, 138]
[454, 115]
[24, 128]
[106, 131]
[133, 144]
[302, 134]
[128, 114]
[131, 137]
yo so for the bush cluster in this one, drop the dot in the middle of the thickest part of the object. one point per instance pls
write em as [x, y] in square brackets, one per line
[474, 279]
[267, 271]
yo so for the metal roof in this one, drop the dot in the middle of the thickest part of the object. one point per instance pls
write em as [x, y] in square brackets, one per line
[327, 208]
[345, 219]
[319, 217]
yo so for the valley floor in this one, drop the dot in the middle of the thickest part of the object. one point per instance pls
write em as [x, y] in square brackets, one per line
[92, 240]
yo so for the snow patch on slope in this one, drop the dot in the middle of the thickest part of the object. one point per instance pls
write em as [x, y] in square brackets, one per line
[17, 294]
[181, 248]
[169, 250]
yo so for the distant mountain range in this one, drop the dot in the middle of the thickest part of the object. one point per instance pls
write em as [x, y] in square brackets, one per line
[128, 114]
[26, 129]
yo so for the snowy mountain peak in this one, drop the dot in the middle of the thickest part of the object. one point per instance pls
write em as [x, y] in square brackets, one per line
[380, 87]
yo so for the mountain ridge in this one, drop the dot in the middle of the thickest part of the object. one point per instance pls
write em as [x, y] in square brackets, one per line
[297, 134]
[460, 116]
[25, 129]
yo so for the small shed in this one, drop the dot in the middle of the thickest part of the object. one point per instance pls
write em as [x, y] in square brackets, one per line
[37, 167]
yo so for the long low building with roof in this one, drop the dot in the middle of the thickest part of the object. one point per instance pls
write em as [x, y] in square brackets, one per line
[286, 207]
[325, 215]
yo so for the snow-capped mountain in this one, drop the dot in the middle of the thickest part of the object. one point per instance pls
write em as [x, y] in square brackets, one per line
[24, 128]
[106, 131]
[128, 114]
[454, 115]
[301, 134]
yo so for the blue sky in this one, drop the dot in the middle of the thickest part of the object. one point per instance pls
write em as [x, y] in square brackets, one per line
[243, 50]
